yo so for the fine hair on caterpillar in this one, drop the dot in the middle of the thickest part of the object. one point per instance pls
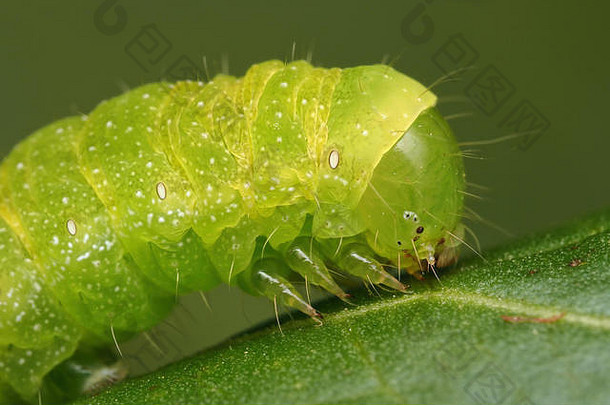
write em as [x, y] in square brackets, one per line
[289, 172]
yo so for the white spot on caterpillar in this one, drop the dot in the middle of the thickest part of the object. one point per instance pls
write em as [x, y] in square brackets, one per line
[200, 104]
[83, 256]
[145, 96]
[161, 190]
[283, 84]
[333, 159]
[109, 124]
[71, 227]
[20, 166]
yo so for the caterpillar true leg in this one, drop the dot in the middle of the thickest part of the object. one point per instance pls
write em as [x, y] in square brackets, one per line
[264, 278]
[309, 264]
[358, 260]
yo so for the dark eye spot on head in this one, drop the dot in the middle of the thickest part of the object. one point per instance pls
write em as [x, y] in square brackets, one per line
[399, 243]
[419, 229]
[415, 238]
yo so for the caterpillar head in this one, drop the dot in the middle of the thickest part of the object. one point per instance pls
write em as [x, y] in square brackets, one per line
[414, 199]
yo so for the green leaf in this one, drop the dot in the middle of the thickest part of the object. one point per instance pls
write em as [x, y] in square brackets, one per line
[530, 325]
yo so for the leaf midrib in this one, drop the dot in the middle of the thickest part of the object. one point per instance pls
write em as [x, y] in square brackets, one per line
[511, 306]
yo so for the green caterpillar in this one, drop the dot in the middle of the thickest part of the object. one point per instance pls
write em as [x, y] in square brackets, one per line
[173, 188]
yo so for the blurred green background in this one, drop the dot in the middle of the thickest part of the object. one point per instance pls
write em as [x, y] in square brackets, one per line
[548, 61]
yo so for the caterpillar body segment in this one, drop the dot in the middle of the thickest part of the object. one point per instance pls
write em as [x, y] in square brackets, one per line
[171, 188]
